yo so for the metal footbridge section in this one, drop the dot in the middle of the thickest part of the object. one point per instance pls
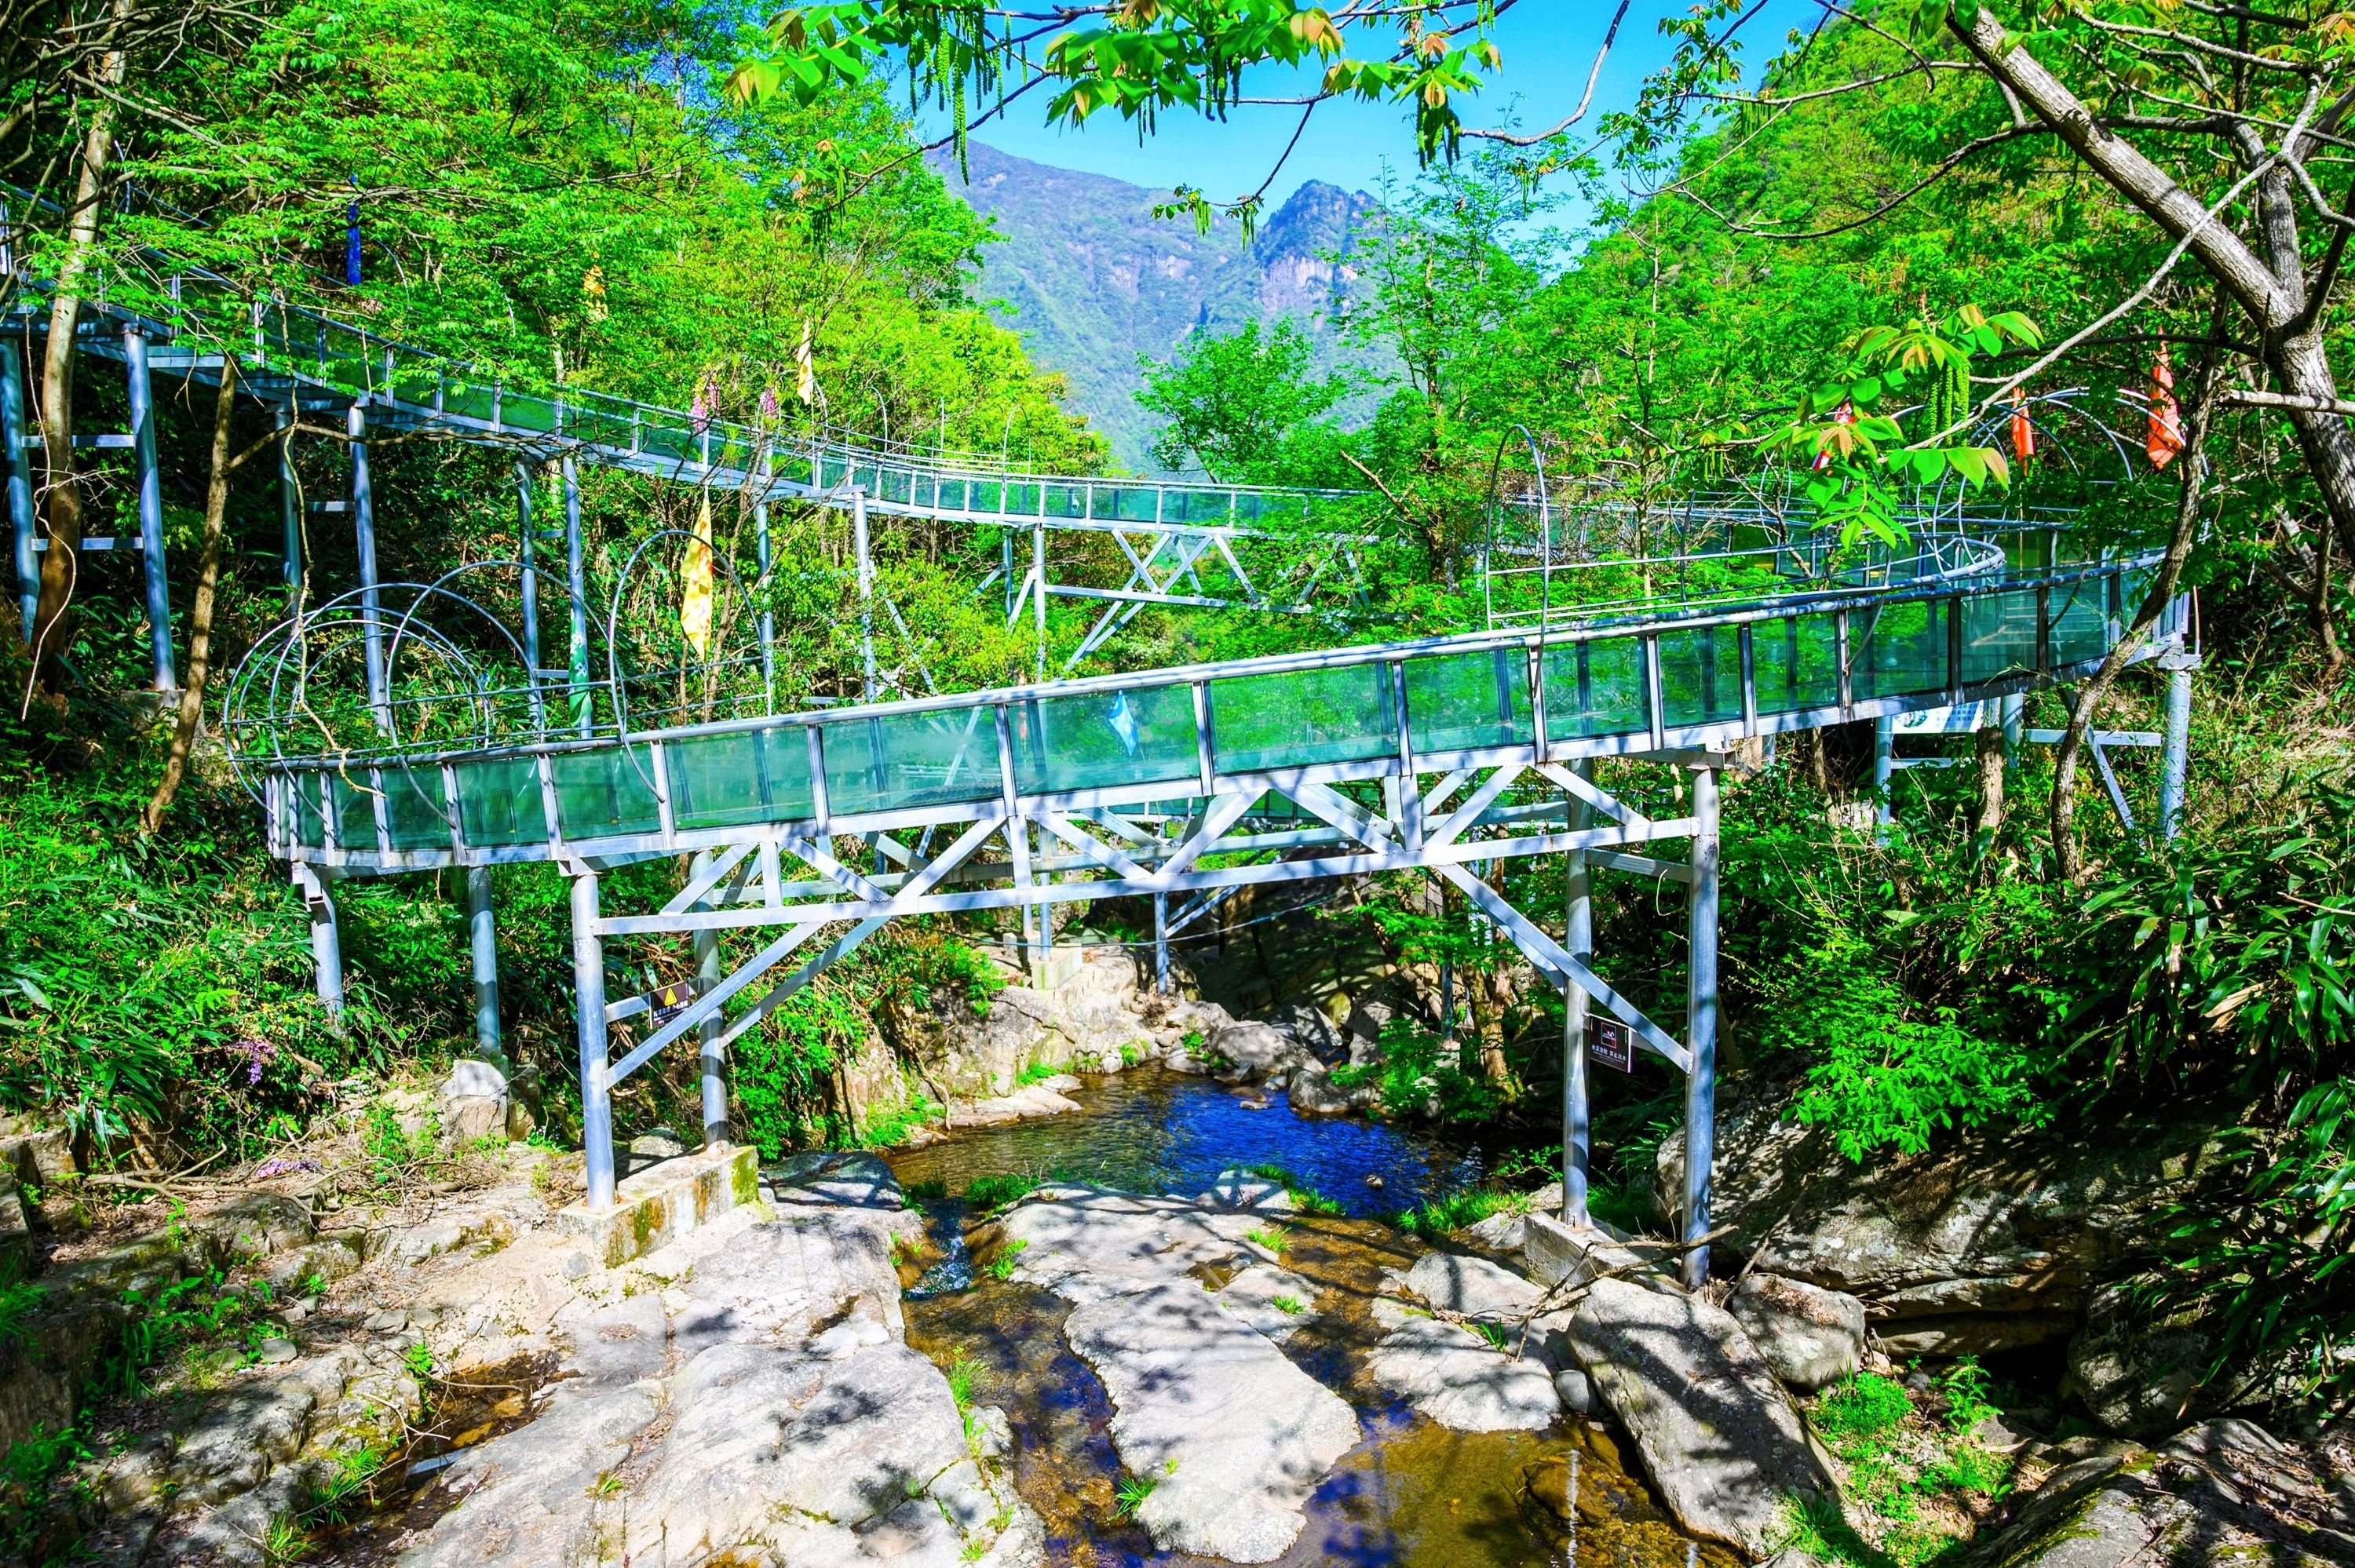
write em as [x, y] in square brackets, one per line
[401, 728]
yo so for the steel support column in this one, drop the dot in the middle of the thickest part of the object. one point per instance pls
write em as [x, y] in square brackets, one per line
[768, 616]
[713, 1061]
[866, 590]
[576, 584]
[2175, 754]
[1700, 1025]
[1161, 943]
[1884, 771]
[589, 1012]
[14, 431]
[1578, 940]
[290, 502]
[483, 930]
[524, 481]
[326, 940]
[150, 484]
[364, 531]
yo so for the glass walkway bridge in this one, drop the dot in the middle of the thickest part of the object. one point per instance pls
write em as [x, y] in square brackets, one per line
[399, 727]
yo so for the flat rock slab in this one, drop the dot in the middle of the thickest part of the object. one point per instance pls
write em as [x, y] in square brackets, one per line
[1724, 1445]
[1460, 1380]
[1274, 1301]
[1087, 1246]
[1234, 1436]
[852, 1177]
[1022, 1105]
[1494, 1293]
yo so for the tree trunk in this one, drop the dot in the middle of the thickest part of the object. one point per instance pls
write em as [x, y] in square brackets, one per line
[200, 619]
[1991, 760]
[61, 487]
[2302, 367]
[2068, 865]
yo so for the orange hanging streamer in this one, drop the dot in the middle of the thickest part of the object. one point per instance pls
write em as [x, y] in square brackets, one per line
[2023, 432]
[2166, 437]
[1843, 414]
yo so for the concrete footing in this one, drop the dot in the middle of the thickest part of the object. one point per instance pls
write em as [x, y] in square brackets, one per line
[659, 1205]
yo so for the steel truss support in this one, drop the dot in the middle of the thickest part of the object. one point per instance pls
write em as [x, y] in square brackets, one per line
[2175, 748]
[588, 1014]
[364, 532]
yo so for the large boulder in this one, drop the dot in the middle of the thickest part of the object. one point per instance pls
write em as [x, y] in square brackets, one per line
[1489, 1293]
[1724, 1445]
[1985, 1243]
[2140, 1374]
[1810, 1336]
[1094, 1019]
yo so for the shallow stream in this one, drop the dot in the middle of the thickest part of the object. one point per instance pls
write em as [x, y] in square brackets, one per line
[1412, 1494]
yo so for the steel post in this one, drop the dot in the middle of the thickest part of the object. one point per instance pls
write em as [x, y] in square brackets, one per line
[768, 616]
[1038, 581]
[1700, 1025]
[290, 502]
[13, 432]
[1884, 771]
[866, 589]
[326, 940]
[715, 1075]
[589, 1009]
[2175, 754]
[524, 481]
[1161, 943]
[150, 482]
[364, 531]
[484, 931]
[576, 584]
[1578, 940]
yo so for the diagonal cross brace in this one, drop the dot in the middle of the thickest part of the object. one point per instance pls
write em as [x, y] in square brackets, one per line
[1551, 957]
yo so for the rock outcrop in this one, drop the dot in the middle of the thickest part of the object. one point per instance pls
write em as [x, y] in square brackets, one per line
[1724, 1445]
[1984, 1244]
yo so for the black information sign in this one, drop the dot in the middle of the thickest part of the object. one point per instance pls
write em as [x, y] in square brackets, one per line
[669, 1000]
[1613, 1044]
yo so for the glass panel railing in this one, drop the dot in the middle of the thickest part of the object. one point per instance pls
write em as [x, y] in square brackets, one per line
[1464, 702]
[892, 761]
[1595, 688]
[745, 776]
[309, 824]
[1899, 650]
[1700, 676]
[416, 816]
[1103, 740]
[353, 795]
[2081, 620]
[1999, 635]
[608, 791]
[500, 803]
[1303, 716]
[1796, 664]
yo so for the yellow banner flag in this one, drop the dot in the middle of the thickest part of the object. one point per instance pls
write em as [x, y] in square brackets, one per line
[695, 601]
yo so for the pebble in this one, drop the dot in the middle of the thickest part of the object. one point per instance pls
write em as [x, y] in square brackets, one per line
[276, 1352]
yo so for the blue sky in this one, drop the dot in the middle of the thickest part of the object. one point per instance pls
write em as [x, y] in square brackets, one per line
[1548, 45]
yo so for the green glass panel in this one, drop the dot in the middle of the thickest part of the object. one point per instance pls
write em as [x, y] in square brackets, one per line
[1796, 661]
[1999, 635]
[1700, 676]
[500, 803]
[414, 809]
[310, 826]
[892, 761]
[1898, 650]
[2081, 621]
[1303, 716]
[749, 776]
[1144, 735]
[353, 796]
[606, 791]
[2136, 583]
[1595, 688]
[1464, 702]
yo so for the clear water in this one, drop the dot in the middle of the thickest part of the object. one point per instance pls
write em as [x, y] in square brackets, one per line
[1151, 1130]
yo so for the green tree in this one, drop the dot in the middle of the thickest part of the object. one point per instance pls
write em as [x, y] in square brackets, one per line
[1236, 401]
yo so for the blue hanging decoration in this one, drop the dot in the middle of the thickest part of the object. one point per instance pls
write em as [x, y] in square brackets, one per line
[352, 238]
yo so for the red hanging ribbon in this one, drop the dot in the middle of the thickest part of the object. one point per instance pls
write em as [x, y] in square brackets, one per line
[2023, 432]
[1843, 414]
[2166, 437]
